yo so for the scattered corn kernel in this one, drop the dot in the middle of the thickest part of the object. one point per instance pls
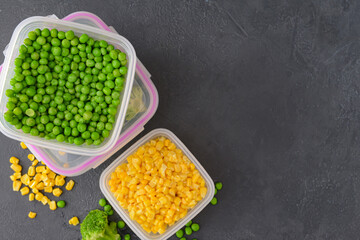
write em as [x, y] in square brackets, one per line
[37, 177]
[39, 196]
[70, 185]
[12, 177]
[74, 221]
[31, 157]
[40, 186]
[32, 214]
[17, 175]
[24, 191]
[22, 144]
[40, 169]
[51, 175]
[42, 163]
[31, 197]
[48, 189]
[16, 185]
[31, 171]
[47, 170]
[157, 185]
[57, 192]
[59, 180]
[52, 205]
[35, 190]
[35, 162]
[45, 200]
[25, 179]
[16, 167]
[14, 160]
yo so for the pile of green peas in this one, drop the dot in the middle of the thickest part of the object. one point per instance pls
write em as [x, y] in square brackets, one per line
[66, 87]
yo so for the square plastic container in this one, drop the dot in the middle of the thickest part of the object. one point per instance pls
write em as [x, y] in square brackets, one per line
[17, 39]
[137, 229]
[68, 164]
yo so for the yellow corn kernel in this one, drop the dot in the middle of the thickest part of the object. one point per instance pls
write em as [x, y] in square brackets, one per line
[57, 192]
[42, 163]
[31, 157]
[31, 197]
[44, 200]
[16, 167]
[70, 185]
[44, 177]
[47, 170]
[12, 177]
[35, 190]
[39, 196]
[51, 175]
[48, 189]
[35, 162]
[16, 185]
[40, 169]
[37, 177]
[23, 146]
[33, 184]
[74, 221]
[17, 175]
[25, 179]
[32, 215]
[52, 205]
[40, 186]
[24, 191]
[59, 180]
[14, 160]
[31, 171]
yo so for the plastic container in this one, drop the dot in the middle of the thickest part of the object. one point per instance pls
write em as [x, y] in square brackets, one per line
[73, 165]
[17, 39]
[137, 229]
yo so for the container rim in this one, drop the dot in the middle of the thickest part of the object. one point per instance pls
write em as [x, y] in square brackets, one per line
[123, 213]
[80, 150]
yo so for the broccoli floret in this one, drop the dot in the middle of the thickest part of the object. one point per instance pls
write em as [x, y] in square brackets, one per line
[95, 227]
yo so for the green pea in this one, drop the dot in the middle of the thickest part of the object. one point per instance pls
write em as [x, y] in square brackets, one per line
[180, 233]
[218, 185]
[61, 204]
[69, 35]
[84, 38]
[214, 201]
[188, 230]
[127, 237]
[121, 224]
[189, 223]
[102, 202]
[195, 227]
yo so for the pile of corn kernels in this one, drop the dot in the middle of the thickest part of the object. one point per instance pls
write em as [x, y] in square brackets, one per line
[38, 178]
[158, 185]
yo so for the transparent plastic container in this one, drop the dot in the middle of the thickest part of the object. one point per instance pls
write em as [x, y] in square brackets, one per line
[73, 165]
[20, 33]
[124, 214]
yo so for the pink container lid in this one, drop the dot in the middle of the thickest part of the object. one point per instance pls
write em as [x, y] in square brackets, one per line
[130, 130]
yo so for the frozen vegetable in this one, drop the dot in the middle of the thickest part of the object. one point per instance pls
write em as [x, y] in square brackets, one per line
[66, 87]
[158, 185]
[95, 227]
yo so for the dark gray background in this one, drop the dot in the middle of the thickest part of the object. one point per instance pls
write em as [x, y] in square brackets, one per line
[264, 93]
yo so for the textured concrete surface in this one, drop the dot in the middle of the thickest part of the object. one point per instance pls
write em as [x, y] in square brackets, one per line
[264, 93]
